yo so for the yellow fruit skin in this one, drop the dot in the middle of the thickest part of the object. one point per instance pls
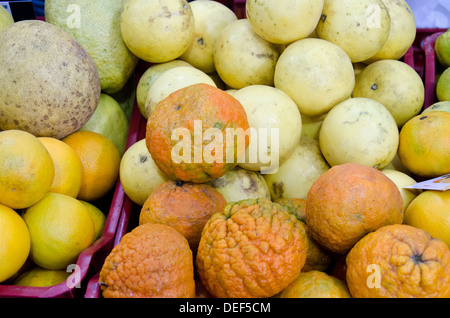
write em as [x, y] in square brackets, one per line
[315, 284]
[157, 31]
[14, 242]
[41, 277]
[26, 169]
[5, 18]
[68, 168]
[98, 218]
[60, 229]
[443, 86]
[424, 144]
[430, 211]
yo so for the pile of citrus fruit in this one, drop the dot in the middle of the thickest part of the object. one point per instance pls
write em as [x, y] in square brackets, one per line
[50, 191]
[275, 161]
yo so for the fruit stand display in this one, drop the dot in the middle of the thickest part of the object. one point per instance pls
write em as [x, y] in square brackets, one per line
[335, 202]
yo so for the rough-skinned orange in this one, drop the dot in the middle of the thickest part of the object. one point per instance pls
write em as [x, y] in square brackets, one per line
[398, 261]
[151, 261]
[254, 248]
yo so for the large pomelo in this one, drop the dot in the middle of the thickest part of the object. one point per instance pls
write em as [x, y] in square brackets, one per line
[50, 84]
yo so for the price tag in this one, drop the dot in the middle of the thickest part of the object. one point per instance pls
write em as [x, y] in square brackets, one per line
[441, 183]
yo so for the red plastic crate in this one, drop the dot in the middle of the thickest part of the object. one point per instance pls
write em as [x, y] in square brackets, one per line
[430, 69]
[419, 49]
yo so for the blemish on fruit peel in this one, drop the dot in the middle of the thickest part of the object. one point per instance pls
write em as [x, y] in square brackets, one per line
[209, 146]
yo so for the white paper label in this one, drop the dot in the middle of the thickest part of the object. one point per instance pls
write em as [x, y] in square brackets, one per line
[441, 183]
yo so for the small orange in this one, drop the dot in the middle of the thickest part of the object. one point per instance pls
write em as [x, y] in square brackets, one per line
[100, 159]
[399, 261]
[347, 202]
[424, 144]
[254, 248]
[26, 169]
[151, 261]
[315, 284]
[68, 168]
[185, 206]
[430, 211]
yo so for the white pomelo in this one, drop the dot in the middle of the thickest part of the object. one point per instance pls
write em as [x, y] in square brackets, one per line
[359, 130]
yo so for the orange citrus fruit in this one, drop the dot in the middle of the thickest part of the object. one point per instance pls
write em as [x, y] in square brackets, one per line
[398, 261]
[68, 168]
[185, 206]
[26, 169]
[347, 202]
[15, 242]
[151, 261]
[100, 161]
[315, 284]
[190, 112]
[60, 229]
[254, 248]
[424, 145]
[430, 211]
